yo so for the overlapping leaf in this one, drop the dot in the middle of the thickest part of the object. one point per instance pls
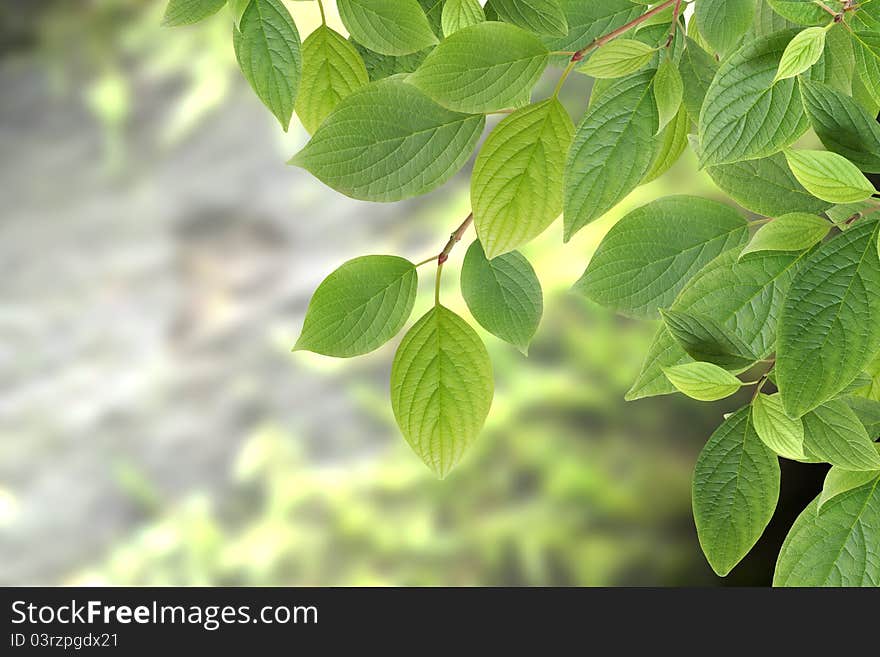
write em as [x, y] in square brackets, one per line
[829, 329]
[441, 388]
[608, 158]
[745, 115]
[269, 53]
[516, 187]
[649, 255]
[837, 546]
[736, 487]
[389, 27]
[503, 294]
[482, 68]
[388, 141]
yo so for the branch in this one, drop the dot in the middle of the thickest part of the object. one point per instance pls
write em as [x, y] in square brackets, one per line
[605, 38]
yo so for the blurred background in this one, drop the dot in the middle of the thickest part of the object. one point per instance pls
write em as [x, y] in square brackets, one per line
[156, 259]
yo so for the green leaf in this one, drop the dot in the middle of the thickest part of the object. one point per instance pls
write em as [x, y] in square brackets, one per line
[802, 12]
[765, 186]
[839, 481]
[332, 70]
[608, 158]
[458, 14]
[482, 68]
[388, 141]
[587, 21]
[516, 187]
[389, 27]
[539, 16]
[441, 388]
[669, 146]
[736, 487]
[829, 176]
[702, 381]
[837, 65]
[866, 409]
[668, 91]
[767, 21]
[187, 12]
[801, 53]
[843, 125]
[723, 23]
[705, 339]
[742, 296]
[782, 434]
[359, 307]
[698, 69]
[829, 328]
[834, 434]
[836, 547]
[268, 51]
[795, 231]
[380, 67]
[866, 50]
[648, 256]
[745, 116]
[503, 294]
[618, 58]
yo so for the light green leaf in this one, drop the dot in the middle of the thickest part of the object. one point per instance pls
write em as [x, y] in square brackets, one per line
[742, 296]
[669, 146]
[388, 141]
[702, 381]
[836, 547]
[587, 21]
[539, 16]
[608, 157]
[389, 27]
[332, 70]
[839, 481]
[359, 307]
[795, 231]
[648, 256]
[458, 14]
[829, 176]
[745, 116]
[269, 53]
[705, 339]
[516, 187]
[668, 91]
[698, 69]
[834, 434]
[765, 186]
[782, 434]
[829, 328]
[503, 294]
[736, 487]
[618, 58]
[482, 68]
[441, 388]
[802, 52]
[723, 23]
[187, 12]
[843, 125]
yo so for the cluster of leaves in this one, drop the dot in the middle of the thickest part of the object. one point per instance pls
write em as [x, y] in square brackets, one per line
[787, 294]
